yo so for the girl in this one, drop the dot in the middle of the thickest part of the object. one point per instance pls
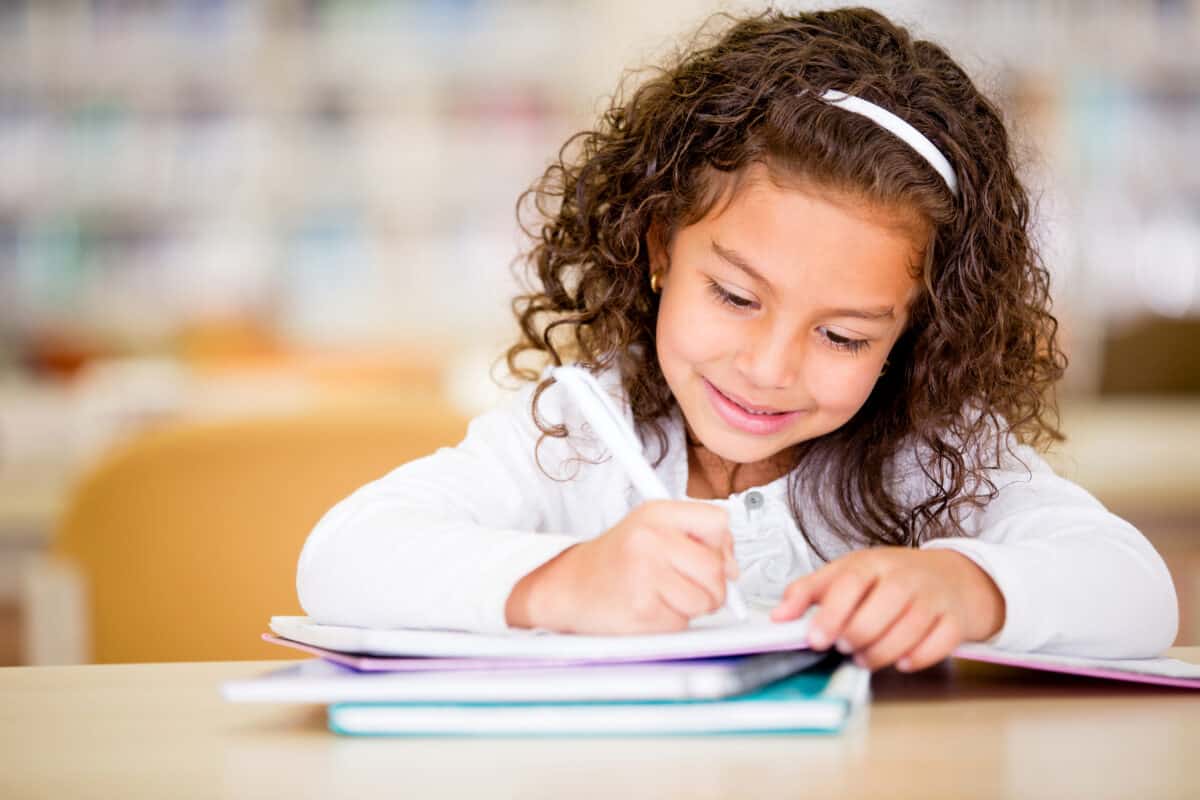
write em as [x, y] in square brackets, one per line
[800, 257]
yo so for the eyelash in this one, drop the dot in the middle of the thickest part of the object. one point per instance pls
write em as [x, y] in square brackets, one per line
[840, 342]
[729, 298]
[834, 340]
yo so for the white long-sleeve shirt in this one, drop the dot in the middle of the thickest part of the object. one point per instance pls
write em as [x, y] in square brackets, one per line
[440, 542]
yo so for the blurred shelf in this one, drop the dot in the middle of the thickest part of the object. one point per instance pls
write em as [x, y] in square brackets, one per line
[1137, 454]
[50, 433]
[262, 156]
[350, 169]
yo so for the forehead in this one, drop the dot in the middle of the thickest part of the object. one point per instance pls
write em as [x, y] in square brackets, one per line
[722, 189]
[818, 241]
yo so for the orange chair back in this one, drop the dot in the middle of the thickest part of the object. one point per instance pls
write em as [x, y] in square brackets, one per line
[187, 537]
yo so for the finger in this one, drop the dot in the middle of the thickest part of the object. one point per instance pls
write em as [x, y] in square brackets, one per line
[733, 570]
[883, 605]
[837, 604]
[729, 563]
[700, 565]
[908, 631]
[703, 521]
[937, 644]
[685, 598]
[803, 592]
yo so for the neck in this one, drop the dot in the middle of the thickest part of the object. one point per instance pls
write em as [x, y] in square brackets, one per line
[713, 477]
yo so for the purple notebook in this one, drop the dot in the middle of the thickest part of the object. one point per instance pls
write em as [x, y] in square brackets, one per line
[421, 664]
[1159, 671]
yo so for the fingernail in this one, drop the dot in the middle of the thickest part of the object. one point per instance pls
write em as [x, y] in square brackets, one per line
[843, 646]
[904, 665]
[817, 639]
[860, 661]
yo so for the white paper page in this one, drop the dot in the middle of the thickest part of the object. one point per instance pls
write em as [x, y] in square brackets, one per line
[714, 635]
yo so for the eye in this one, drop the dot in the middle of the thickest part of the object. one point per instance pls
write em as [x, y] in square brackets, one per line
[839, 342]
[727, 297]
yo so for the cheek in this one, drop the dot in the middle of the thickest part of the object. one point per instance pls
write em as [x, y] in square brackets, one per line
[686, 332]
[841, 384]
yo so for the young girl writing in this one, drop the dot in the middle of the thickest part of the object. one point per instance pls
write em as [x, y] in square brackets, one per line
[800, 258]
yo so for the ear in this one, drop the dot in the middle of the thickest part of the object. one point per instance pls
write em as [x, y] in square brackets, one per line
[656, 249]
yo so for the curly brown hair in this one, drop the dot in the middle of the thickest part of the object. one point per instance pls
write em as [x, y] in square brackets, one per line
[973, 371]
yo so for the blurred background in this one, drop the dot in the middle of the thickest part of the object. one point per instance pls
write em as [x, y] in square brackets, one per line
[218, 213]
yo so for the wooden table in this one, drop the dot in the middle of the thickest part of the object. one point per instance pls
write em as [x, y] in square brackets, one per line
[958, 730]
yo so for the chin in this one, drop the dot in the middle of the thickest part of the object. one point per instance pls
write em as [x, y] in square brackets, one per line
[740, 449]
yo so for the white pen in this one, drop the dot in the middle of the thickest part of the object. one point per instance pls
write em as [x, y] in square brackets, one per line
[610, 425]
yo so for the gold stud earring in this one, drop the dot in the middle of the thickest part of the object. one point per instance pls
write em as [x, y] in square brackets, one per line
[886, 362]
[655, 285]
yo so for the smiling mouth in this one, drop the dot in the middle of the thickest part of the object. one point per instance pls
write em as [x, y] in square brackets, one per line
[748, 418]
[750, 408]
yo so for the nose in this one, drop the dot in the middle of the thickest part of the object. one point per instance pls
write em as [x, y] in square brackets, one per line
[770, 359]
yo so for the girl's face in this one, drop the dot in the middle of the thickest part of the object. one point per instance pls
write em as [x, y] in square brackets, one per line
[778, 311]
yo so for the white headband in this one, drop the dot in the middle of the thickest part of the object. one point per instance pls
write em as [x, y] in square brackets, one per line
[911, 136]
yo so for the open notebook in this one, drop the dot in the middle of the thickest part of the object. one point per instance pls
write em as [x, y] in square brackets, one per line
[1159, 671]
[718, 634]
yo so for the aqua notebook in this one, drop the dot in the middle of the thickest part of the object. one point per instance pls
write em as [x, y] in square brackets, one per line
[818, 700]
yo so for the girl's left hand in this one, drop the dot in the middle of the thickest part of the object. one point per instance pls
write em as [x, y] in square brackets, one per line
[896, 605]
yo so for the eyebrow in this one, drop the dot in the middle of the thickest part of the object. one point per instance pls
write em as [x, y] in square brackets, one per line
[738, 260]
[882, 312]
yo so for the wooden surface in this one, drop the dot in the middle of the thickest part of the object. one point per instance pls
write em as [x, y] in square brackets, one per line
[959, 730]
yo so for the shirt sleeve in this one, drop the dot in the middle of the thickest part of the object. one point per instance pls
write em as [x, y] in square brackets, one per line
[441, 541]
[1076, 579]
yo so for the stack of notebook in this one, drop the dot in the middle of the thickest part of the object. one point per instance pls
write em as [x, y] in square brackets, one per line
[720, 676]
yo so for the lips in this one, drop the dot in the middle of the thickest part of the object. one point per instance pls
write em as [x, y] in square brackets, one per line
[751, 407]
[747, 417]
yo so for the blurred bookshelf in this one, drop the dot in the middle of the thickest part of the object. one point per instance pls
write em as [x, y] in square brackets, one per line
[345, 173]
[334, 171]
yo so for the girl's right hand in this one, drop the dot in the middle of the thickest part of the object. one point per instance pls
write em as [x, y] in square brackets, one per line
[655, 570]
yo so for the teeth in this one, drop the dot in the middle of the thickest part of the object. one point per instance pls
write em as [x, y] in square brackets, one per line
[760, 413]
